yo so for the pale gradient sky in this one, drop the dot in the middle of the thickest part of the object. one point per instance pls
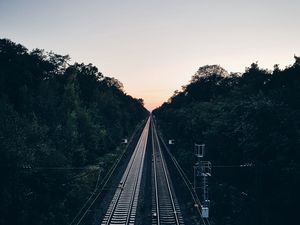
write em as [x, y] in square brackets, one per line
[154, 46]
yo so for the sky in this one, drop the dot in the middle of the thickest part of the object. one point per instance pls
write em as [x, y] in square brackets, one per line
[154, 46]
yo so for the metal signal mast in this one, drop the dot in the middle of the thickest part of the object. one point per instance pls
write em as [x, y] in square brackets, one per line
[202, 169]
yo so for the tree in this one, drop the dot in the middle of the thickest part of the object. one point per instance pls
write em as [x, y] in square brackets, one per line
[55, 115]
[245, 118]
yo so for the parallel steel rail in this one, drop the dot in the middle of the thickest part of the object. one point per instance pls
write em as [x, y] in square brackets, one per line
[165, 208]
[122, 209]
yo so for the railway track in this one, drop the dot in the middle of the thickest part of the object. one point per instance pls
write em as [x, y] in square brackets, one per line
[123, 207]
[165, 207]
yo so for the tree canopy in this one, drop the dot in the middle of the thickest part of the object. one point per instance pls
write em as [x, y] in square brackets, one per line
[55, 115]
[250, 118]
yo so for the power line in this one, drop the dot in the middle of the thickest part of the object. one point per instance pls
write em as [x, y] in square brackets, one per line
[234, 166]
[29, 167]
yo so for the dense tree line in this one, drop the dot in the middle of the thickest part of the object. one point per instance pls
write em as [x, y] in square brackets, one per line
[244, 119]
[55, 115]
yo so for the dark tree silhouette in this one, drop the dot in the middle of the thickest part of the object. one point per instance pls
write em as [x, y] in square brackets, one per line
[248, 118]
[53, 114]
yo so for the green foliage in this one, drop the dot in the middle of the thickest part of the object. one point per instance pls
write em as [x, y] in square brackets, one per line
[53, 114]
[247, 118]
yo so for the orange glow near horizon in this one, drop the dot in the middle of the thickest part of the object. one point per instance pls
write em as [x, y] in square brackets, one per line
[153, 97]
[151, 104]
[153, 101]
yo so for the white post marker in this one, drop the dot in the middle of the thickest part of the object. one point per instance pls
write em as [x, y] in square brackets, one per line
[171, 142]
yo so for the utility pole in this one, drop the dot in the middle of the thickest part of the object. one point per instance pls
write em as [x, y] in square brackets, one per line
[202, 169]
